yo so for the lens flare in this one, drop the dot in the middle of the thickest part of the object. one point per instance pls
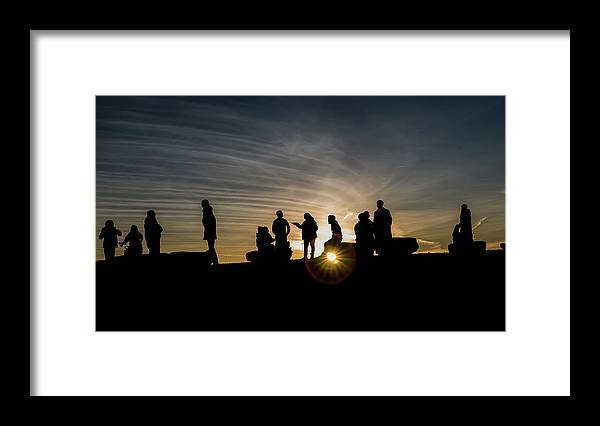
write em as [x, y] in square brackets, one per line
[333, 267]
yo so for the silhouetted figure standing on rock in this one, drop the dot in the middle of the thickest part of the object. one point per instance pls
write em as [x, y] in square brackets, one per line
[466, 231]
[309, 234]
[336, 234]
[153, 231]
[281, 230]
[134, 239]
[110, 241]
[365, 240]
[209, 221]
[382, 226]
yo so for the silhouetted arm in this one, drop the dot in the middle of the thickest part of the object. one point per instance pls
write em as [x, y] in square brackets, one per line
[101, 236]
[297, 224]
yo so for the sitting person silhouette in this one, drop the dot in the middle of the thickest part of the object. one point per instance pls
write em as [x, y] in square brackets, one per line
[336, 235]
[281, 230]
[264, 246]
[133, 242]
[109, 236]
[309, 234]
[153, 231]
[382, 228]
[209, 222]
[264, 241]
[365, 240]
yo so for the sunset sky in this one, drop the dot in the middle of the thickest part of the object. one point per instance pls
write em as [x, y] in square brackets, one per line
[250, 156]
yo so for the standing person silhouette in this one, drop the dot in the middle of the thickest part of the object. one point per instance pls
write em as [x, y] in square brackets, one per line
[336, 234]
[281, 230]
[466, 231]
[382, 227]
[134, 239]
[363, 230]
[309, 234]
[209, 221]
[109, 236]
[152, 231]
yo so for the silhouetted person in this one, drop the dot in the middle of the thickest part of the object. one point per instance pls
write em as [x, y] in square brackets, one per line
[466, 230]
[281, 230]
[110, 241]
[309, 234]
[365, 240]
[152, 231]
[382, 227]
[209, 221]
[264, 241]
[134, 240]
[264, 246]
[336, 234]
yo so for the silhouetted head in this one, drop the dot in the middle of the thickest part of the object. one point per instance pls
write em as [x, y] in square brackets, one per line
[134, 229]
[366, 214]
[262, 230]
[151, 213]
[361, 216]
[109, 224]
[279, 213]
[379, 203]
[307, 216]
[330, 218]
[463, 206]
[205, 203]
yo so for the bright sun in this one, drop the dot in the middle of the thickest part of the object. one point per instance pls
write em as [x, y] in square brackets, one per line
[331, 256]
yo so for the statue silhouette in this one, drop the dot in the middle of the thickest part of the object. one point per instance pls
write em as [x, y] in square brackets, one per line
[133, 242]
[109, 236]
[336, 234]
[209, 222]
[382, 227]
[365, 240]
[309, 234]
[466, 230]
[462, 235]
[153, 231]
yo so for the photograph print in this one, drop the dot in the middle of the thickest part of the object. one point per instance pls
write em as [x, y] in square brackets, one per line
[300, 213]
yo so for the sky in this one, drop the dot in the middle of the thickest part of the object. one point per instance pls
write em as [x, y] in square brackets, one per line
[251, 156]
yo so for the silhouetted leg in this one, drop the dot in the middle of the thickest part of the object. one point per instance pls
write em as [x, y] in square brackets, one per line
[212, 252]
[109, 253]
[312, 249]
[305, 248]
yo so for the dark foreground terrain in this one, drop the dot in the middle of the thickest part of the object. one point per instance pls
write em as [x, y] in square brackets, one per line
[419, 292]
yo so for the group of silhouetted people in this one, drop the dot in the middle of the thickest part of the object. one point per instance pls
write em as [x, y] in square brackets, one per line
[152, 233]
[371, 235]
[133, 240]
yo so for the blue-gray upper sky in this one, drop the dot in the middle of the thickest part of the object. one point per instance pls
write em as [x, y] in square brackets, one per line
[251, 156]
